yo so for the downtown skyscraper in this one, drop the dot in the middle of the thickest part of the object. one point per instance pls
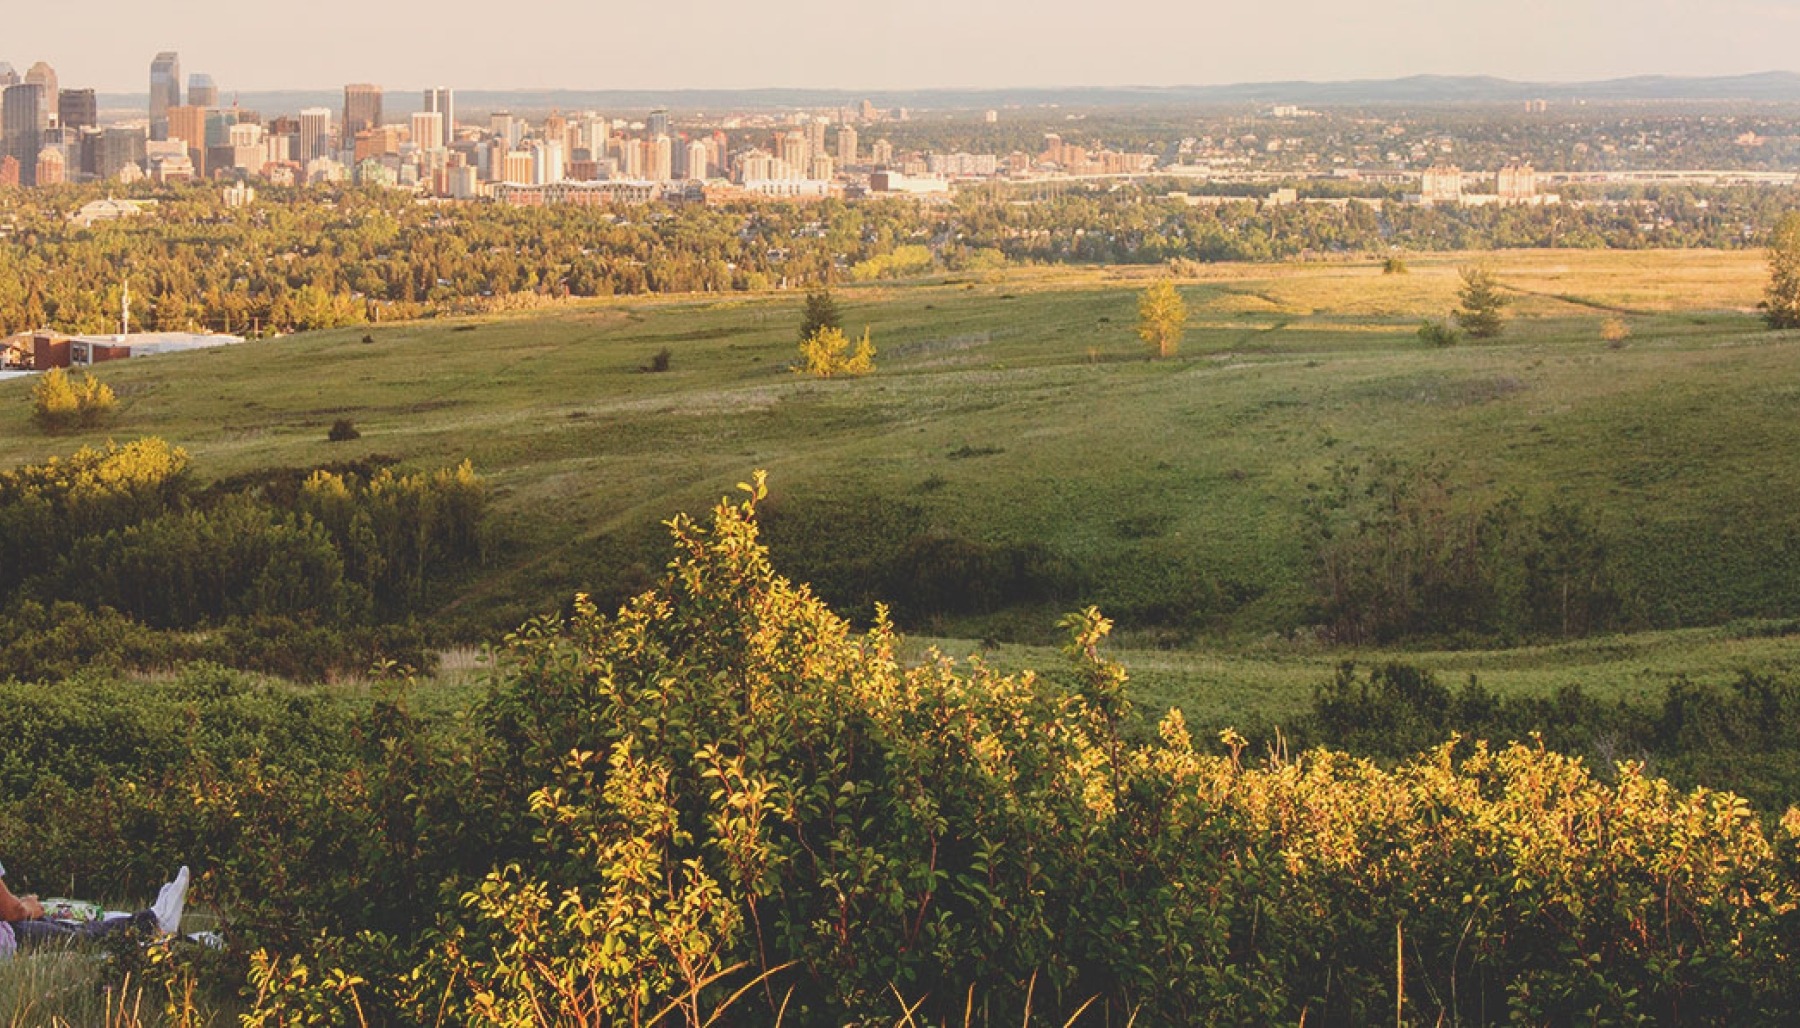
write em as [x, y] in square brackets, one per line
[362, 110]
[441, 101]
[165, 91]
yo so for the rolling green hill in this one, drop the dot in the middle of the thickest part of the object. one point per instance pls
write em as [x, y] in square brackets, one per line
[1016, 456]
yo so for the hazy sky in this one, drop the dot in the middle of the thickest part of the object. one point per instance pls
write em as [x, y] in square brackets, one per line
[884, 44]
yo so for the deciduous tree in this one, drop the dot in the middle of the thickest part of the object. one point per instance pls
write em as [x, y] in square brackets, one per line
[1162, 316]
[1783, 307]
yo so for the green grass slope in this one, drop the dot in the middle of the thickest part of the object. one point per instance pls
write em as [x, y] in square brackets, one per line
[1013, 425]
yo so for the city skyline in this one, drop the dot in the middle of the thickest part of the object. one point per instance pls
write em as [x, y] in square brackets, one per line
[927, 44]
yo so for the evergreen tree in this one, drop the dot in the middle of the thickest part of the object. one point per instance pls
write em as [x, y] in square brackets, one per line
[821, 313]
[1483, 310]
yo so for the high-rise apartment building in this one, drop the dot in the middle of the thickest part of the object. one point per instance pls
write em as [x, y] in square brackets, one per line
[8, 77]
[846, 147]
[1518, 182]
[362, 110]
[77, 109]
[815, 138]
[202, 91]
[443, 101]
[518, 167]
[23, 117]
[165, 91]
[315, 134]
[698, 159]
[657, 124]
[661, 155]
[428, 130]
[505, 128]
[794, 153]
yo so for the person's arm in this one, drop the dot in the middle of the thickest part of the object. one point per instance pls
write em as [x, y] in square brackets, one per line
[18, 908]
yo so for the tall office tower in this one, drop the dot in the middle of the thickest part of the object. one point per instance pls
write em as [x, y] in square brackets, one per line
[556, 127]
[697, 160]
[443, 101]
[815, 138]
[8, 77]
[118, 147]
[657, 124]
[77, 109]
[428, 130]
[23, 117]
[518, 167]
[362, 110]
[165, 91]
[41, 74]
[188, 124]
[315, 134]
[202, 91]
[846, 155]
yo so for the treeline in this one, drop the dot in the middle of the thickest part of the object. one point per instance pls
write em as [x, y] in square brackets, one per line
[1743, 736]
[311, 259]
[119, 556]
[722, 805]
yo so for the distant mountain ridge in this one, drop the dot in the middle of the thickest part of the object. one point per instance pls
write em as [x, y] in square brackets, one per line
[1771, 86]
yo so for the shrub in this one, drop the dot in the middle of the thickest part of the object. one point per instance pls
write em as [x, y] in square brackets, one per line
[60, 402]
[1615, 332]
[659, 361]
[342, 431]
[1438, 333]
[1394, 266]
[826, 354]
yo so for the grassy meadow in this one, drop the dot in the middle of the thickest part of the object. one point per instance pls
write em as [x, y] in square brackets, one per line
[1018, 409]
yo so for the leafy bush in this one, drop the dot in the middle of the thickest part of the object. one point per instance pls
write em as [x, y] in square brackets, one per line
[826, 353]
[726, 786]
[342, 431]
[1438, 333]
[60, 402]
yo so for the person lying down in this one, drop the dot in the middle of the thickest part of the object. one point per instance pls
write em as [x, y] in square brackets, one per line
[25, 922]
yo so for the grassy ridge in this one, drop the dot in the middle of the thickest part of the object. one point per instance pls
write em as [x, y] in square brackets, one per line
[1016, 411]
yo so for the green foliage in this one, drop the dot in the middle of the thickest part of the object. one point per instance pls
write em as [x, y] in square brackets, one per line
[1162, 317]
[904, 261]
[826, 354]
[1782, 300]
[821, 312]
[1483, 310]
[1394, 266]
[1438, 334]
[722, 782]
[1402, 554]
[342, 431]
[105, 548]
[728, 776]
[60, 403]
